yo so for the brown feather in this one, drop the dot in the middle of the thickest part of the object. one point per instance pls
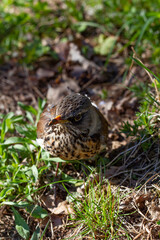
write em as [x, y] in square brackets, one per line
[48, 113]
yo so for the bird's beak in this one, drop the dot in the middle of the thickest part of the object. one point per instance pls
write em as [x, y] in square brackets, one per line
[56, 120]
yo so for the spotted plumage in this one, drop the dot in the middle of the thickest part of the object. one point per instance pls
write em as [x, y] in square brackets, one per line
[73, 129]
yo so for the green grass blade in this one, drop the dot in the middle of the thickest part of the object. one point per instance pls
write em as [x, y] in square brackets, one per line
[144, 28]
[143, 66]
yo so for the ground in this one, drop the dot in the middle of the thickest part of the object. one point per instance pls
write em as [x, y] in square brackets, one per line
[50, 49]
[136, 172]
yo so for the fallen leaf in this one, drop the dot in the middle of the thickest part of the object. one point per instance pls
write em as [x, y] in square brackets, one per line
[56, 219]
[48, 201]
[55, 94]
[63, 208]
[44, 73]
[62, 49]
[76, 56]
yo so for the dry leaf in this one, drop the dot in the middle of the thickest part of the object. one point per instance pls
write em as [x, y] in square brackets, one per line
[63, 208]
[62, 49]
[76, 56]
[55, 94]
[44, 73]
[55, 219]
[48, 201]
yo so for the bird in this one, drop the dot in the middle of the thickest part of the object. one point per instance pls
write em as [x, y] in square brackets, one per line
[73, 129]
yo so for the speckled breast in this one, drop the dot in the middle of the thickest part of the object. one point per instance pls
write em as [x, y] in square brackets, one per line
[70, 144]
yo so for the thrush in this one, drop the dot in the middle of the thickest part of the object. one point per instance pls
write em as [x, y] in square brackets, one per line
[73, 129]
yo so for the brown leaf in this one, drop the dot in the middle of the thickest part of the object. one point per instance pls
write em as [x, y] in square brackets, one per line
[76, 56]
[44, 73]
[55, 94]
[63, 208]
[62, 49]
[56, 219]
[48, 201]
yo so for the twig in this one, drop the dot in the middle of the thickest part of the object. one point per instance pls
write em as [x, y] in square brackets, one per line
[138, 235]
[129, 149]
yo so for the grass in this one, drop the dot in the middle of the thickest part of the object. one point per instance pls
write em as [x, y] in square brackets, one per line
[148, 114]
[96, 214]
[26, 27]
[20, 166]
[23, 164]
[17, 144]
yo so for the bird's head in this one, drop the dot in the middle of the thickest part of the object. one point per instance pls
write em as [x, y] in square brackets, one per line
[75, 110]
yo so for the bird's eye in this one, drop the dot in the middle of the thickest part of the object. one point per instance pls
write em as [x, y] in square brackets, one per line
[78, 117]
